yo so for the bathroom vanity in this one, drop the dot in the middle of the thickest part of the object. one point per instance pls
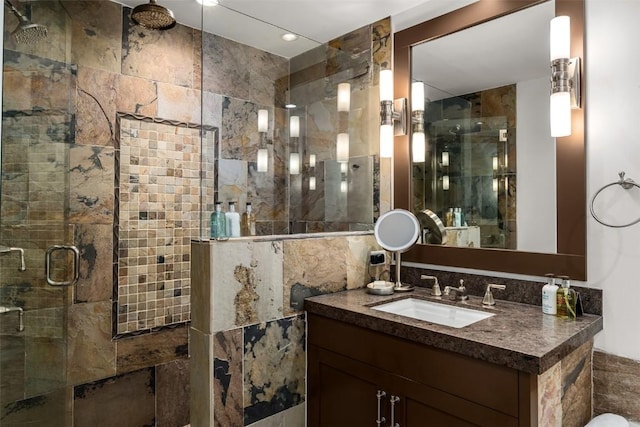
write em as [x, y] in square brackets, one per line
[518, 367]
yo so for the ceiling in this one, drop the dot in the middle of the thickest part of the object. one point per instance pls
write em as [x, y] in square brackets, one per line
[261, 23]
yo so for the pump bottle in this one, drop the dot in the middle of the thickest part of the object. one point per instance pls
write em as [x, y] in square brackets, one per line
[233, 221]
[218, 222]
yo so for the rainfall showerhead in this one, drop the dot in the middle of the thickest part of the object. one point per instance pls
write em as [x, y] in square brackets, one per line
[26, 32]
[153, 16]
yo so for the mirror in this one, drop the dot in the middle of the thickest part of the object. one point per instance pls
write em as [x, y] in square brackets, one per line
[397, 231]
[503, 247]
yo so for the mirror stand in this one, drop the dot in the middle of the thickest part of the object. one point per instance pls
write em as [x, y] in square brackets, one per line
[400, 287]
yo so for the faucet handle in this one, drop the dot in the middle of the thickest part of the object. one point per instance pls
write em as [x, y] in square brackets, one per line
[488, 295]
[435, 290]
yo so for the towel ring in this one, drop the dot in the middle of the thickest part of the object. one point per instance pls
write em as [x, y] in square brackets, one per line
[624, 183]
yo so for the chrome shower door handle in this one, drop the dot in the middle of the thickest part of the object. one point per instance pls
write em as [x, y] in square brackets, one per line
[76, 265]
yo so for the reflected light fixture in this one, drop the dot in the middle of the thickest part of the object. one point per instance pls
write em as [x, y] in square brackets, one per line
[445, 158]
[294, 163]
[417, 123]
[344, 167]
[312, 160]
[494, 161]
[445, 182]
[495, 185]
[263, 120]
[344, 97]
[392, 114]
[342, 147]
[565, 77]
[208, 2]
[263, 160]
[289, 37]
[343, 186]
[294, 126]
[312, 183]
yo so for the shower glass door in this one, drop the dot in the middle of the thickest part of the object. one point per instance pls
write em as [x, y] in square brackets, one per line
[38, 81]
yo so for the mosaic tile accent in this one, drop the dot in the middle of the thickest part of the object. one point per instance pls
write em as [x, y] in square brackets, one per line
[274, 367]
[158, 214]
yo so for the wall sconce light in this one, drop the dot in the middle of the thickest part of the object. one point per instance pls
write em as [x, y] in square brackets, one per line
[392, 114]
[312, 183]
[294, 126]
[342, 147]
[263, 120]
[343, 186]
[445, 158]
[263, 160]
[495, 185]
[417, 123]
[565, 77]
[294, 163]
[344, 97]
[445, 182]
[312, 160]
[494, 160]
[344, 168]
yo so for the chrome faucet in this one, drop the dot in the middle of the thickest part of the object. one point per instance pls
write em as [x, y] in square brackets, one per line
[20, 311]
[459, 293]
[6, 250]
[488, 295]
[435, 289]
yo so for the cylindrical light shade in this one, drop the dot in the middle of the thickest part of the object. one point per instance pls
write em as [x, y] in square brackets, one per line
[294, 126]
[560, 38]
[342, 147]
[343, 186]
[445, 182]
[263, 120]
[445, 158]
[344, 97]
[344, 167]
[386, 141]
[495, 185]
[263, 160]
[560, 114]
[294, 163]
[417, 96]
[312, 183]
[418, 147]
[494, 161]
[386, 85]
[312, 160]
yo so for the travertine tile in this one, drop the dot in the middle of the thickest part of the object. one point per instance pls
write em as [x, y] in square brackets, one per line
[577, 386]
[151, 349]
[224, 69]
[91, 184]
[137, 96]
[616, 385]
[179, 103]
[172, 393]
[550, 397]
[48, 409]
[96, 107]
[95, 243]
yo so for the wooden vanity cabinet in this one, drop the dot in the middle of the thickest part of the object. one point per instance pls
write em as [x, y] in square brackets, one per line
[349, 366]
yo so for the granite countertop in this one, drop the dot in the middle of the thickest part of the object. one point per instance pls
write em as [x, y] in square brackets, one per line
[519, 336]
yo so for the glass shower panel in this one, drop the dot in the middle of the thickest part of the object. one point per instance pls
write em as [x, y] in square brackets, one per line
[37, 127]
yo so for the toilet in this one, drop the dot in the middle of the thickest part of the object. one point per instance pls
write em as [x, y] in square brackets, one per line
[608, 420]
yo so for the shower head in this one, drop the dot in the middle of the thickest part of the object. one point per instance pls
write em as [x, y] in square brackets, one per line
[153, 16]
[26, 32]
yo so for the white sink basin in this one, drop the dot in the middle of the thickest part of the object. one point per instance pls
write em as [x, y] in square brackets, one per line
[442, 314]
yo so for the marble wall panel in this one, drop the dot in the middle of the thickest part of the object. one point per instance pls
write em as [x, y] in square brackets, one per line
[350, 57]
[95, 243]
[232, 183]
[577, 386]
[126, 400]
[96, 107]
[312, 267]
[172, 394]
[240, 138]
[357, 258]
[247, 280]
[91, 183]
[96, 34]
[274, 367]
[212, 109]
[163, 56]
[382, 45]
[91, 351]
[151, 349]
[269, 78]
[137, 96]
[616, 385]
[227, 378]
[550, 397]
[224, 69]
[51, 409]
[179, 103]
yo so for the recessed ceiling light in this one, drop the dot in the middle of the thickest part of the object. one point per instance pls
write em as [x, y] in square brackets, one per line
[208, 2]
[289, 37]
[290, 106]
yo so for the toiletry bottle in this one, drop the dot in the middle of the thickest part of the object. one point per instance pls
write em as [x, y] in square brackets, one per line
[549, 295]
[233, 221]
[218, 222]
[448, 218]
[456, 218]
[248, 222]
[566, 299]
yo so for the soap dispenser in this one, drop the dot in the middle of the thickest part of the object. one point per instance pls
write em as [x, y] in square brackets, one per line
[549, 295]
[248, 222]
[218, 222]
[566, 299]
[233, 221]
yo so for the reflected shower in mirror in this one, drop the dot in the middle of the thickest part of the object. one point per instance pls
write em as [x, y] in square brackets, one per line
[489, 168]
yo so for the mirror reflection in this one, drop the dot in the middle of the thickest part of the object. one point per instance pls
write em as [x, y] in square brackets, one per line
[488, 170]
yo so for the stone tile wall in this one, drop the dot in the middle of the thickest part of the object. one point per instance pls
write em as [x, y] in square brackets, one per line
[616, 383]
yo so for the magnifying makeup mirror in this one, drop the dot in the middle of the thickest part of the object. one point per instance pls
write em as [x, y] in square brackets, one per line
[397, 231]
